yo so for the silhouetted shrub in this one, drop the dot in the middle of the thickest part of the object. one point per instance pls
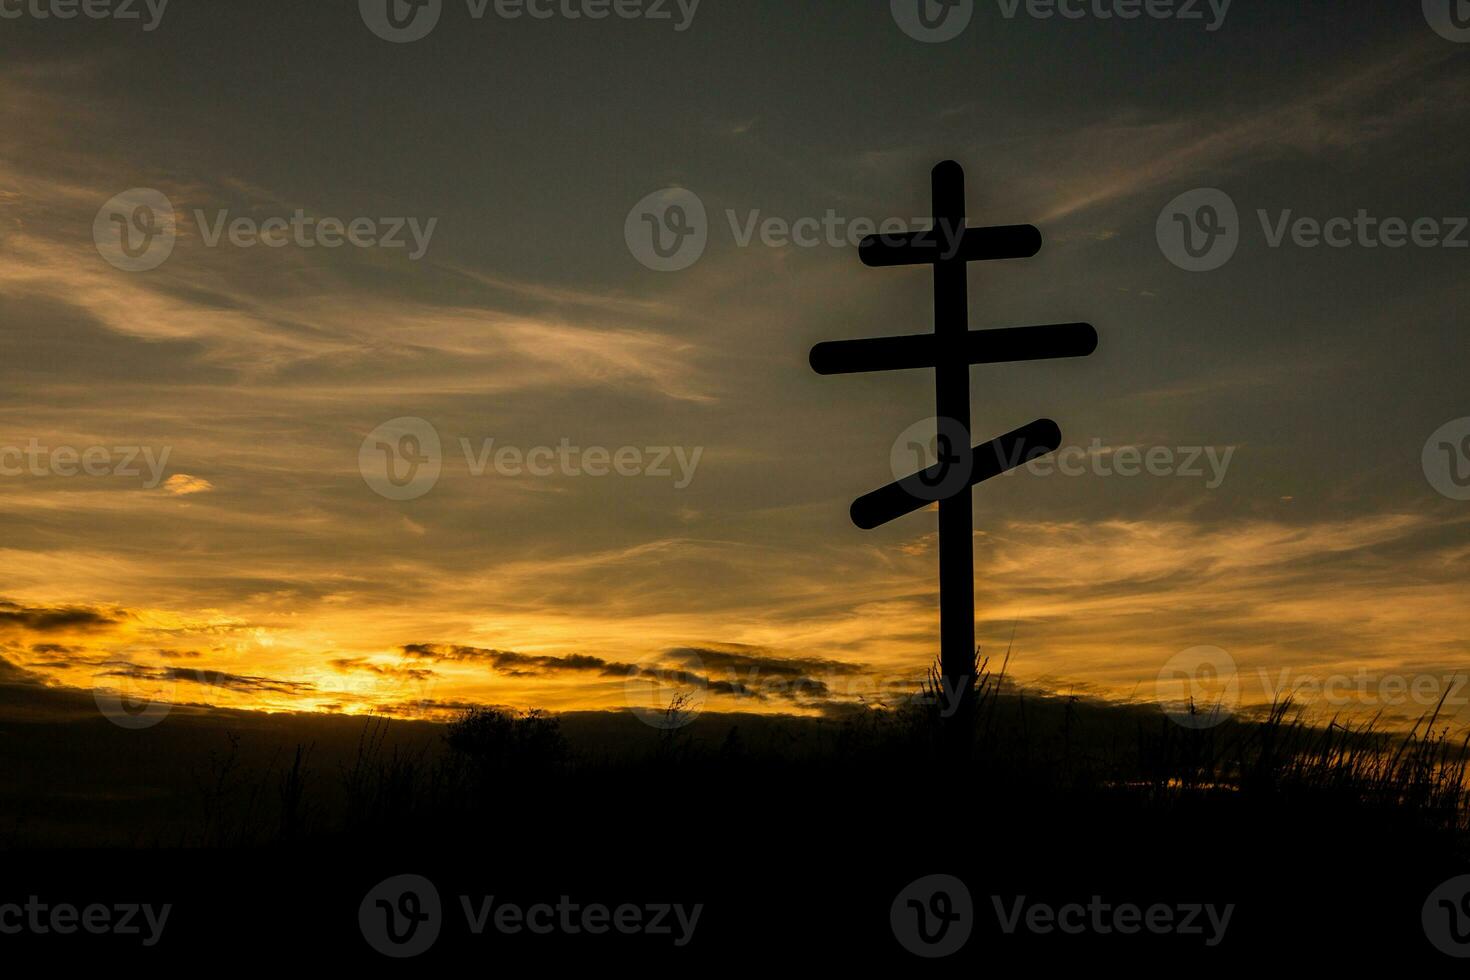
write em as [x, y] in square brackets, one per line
[492, 740]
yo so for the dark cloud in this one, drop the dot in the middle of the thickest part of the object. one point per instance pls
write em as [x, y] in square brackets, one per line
[67, 662]
[750, 676]
[513, 664]
[58, 656]
[209, 678]
[757, 661]
[347, 665]
[57, 648]
[798, 680]
[516, 664]
[57, 619]
[15, 674]
[431, 707]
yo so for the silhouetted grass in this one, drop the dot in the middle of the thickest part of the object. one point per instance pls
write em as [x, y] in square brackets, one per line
[1028, 760]
[1026, 753]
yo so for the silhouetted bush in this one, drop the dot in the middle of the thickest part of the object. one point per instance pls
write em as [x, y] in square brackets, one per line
[491, 740]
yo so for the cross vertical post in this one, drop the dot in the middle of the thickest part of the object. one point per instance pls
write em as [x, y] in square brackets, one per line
[950, 245]
[952, 401]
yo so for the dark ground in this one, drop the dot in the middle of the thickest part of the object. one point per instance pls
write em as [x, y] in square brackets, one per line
[796, 836]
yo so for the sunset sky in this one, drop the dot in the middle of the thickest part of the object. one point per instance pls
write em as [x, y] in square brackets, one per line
[255, 566]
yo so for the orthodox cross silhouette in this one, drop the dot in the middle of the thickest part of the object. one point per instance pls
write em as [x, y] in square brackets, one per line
[950, 246]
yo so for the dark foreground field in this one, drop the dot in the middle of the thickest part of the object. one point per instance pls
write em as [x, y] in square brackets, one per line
[794, 837]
